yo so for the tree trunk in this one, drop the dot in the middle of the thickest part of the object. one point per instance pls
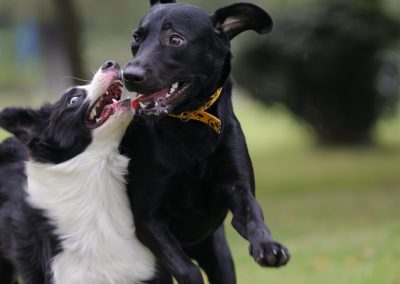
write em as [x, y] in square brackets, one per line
[70, 27]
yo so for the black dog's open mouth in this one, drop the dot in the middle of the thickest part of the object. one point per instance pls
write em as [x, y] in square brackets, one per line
[105, 106]
[162, 102]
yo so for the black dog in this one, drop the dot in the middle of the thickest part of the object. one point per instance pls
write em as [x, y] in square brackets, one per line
[192, 166]
[69, 220]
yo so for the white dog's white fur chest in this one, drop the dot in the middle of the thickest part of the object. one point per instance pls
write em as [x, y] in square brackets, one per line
[86, 199]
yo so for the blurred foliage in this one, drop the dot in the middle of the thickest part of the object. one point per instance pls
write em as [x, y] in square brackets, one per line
[329, 64]
[106, 29]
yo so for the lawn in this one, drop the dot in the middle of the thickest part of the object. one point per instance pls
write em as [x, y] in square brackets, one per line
[337, 210]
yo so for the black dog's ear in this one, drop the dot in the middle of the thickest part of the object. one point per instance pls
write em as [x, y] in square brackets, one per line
[240, 17]
[19, 121]
[154, 2]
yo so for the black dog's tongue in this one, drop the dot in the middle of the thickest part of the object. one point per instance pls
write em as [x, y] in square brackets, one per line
[149, 100]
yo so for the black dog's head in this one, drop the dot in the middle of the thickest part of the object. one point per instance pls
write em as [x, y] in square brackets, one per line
[182, 55]
[84, 114]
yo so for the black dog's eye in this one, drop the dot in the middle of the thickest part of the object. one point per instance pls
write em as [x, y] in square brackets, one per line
[176, 40]
[74, 101]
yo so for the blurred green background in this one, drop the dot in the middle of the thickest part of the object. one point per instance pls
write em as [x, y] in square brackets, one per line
[335, 205]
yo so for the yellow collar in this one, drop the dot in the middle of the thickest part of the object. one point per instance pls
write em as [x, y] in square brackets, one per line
[201, 114]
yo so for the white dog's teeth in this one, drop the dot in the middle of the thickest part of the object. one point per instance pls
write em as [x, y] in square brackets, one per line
[93, 113]
[156, 104]
[168, 95]
[142, 105]
[175, 85]
[115, 101]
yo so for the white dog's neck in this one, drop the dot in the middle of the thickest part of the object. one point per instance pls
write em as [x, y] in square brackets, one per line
[86, 200]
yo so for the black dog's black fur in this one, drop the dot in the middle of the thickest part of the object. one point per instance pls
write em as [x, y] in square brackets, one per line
[185, 176]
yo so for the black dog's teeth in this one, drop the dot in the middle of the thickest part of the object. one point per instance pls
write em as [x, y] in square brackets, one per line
[151, 105]
[148, 105]
[173, 89]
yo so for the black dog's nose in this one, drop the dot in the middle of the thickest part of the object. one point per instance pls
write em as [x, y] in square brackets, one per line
[134, 74]
[110, 64]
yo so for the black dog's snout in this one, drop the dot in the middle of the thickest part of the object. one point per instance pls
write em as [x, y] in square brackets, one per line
[134, 74]
[110, 64]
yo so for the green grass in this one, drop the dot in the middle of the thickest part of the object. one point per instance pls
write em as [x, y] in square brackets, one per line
[337, 210]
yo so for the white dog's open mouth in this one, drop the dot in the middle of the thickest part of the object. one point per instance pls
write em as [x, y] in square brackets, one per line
[105, 106]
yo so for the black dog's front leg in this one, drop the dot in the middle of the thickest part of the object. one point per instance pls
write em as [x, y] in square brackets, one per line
[146, 195]
[249, 222]
[248, 218]
[155, 235]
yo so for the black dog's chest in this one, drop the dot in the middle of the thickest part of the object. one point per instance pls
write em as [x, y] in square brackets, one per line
[184, 143]
[177, 163]
[188, 194]
[192, 208]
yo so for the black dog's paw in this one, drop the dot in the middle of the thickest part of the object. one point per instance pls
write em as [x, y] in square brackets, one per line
[270, 254]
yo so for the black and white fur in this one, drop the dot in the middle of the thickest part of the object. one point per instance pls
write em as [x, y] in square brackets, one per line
[69, 219]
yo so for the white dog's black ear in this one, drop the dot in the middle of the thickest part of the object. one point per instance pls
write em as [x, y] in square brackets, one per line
[19, 121]
[154, 2]
[240, 17]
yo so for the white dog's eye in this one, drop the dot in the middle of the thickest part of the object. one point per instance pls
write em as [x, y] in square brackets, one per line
[176, 40]
[74, 100]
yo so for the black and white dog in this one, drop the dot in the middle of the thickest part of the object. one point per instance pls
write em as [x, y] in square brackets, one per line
[68, 221]
[191, 160]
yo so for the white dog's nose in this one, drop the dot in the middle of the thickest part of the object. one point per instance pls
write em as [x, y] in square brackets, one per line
[110, 64]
